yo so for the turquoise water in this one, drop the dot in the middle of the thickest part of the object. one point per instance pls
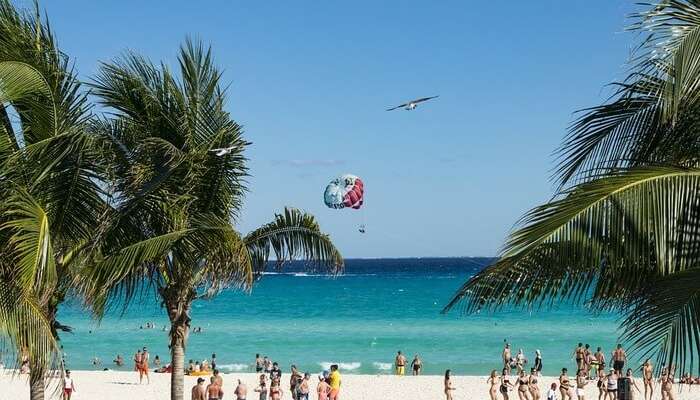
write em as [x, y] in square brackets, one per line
[359, 319]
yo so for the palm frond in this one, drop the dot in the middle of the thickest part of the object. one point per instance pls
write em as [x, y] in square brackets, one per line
[293, 234]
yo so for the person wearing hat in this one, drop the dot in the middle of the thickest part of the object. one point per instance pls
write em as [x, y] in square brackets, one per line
[198, 392]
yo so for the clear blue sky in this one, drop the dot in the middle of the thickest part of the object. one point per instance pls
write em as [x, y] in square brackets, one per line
[310, 82]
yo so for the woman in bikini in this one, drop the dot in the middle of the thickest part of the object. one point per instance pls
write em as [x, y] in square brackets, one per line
[648, 376]
[602, 389]
[581, 382]
[564, 384]
[448, 386]
[532, 384]
[493, 381]
[275, 391]
[633, 383]
[323, 389]
[667, 385]
[523, 390]
[505, 384]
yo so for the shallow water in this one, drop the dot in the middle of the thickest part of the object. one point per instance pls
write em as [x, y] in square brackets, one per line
[359, 320]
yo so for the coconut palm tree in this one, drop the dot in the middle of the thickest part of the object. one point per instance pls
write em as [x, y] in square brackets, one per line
[50, 196]
[622, 231]
[175, 199]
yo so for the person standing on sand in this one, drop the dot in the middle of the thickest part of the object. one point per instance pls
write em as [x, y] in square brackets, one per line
[416, 365]
[198, 390]
[448, 386]
[667, 384]
[262, 388]
[493, 381]
[578, 354]
[213, 360]
[552, 392]
[241, 391]
[506, 356]
[294, 378]
[259, 364]
[520, 361]
[267, 364]
[275, 391]
[532, 384]
[218, 379]
[581, 382]
[633, 383]
[303, 388]
[275, 372]
[600, 359]
[323, 389]
[612, 384]
[602, 387]
[214, 391]
[144, 366]
[400, 363]
[538, 362]
[523, 390]
[564, 384]
[505, 383]
[334, 382]
[648, 376]
[68, 386]
[619, 358]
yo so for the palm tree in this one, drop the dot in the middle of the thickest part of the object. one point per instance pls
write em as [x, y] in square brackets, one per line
[49, 185]
[622, 231]
[173, 200]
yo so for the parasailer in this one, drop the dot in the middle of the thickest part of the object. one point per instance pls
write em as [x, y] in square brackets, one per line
[345, 191]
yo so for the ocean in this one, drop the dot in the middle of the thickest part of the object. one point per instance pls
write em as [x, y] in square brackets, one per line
[359, 320]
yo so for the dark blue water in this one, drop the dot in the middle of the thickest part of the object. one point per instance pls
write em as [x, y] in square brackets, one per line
[359, 319]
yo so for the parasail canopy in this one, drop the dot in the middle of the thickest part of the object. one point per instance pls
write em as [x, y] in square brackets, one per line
[345, 191]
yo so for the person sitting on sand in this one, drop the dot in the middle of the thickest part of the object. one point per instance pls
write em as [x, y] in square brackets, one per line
[241, 391]
[323, 389]
[505, 383]
[400, 363]
[564, 384]
[552, 392]
[68, 386]
[416, 365]
[156, 361]
[493, 381]
[262, 387]
[334, 381]
[198, 390]
[190, 369]
[448, 385]
[119, 360]
[275, 390]
[197, 367]
[214, 391]
[532, 384]
[581, 382]
[648, 379]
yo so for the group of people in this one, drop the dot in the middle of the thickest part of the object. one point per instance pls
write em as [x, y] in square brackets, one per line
[204, 366]
[269, 387]
[590, 367]
[400, 364]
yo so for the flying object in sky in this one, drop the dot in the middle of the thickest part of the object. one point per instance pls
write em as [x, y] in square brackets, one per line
[411, 105]
[222, 151]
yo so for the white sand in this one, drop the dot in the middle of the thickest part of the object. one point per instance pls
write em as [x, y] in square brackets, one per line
[109, 385]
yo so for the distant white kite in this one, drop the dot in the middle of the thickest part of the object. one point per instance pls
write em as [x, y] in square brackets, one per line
[222, 151]
[411, 105]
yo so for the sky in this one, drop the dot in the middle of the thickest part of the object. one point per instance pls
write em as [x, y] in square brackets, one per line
[310, 82]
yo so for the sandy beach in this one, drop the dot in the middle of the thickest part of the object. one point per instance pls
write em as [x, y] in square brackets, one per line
[110, 385]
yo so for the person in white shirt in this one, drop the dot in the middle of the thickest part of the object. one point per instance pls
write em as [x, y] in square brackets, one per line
[552, 392]
[68, 386]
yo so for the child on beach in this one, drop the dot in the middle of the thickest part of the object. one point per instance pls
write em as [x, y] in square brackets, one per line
[552, 392]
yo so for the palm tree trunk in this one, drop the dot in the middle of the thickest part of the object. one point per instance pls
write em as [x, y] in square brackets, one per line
[179, 314]
[36, 384]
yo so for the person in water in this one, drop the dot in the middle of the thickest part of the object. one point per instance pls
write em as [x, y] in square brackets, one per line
[493, 381]
[400, 363]
[448, 386]
[416, 365]
[119, 360]
[506, 355]
[198, 390]
[259, 363]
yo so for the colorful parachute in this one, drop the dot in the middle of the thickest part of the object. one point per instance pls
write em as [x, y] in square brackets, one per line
[345, 191]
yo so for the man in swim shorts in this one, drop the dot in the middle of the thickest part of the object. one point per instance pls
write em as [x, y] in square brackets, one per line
[214, 391]
[198, 391]
[619, 358]
[400, 363]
